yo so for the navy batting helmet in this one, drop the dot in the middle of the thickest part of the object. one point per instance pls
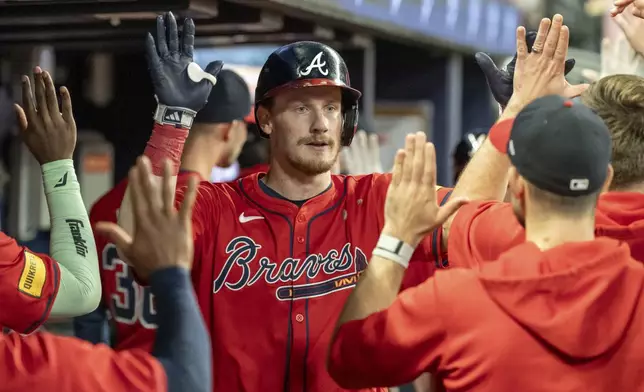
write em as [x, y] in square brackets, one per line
[306, 64]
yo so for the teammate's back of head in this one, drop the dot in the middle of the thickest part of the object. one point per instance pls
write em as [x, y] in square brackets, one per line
[223, 116]
[619, 101]
[560, 153]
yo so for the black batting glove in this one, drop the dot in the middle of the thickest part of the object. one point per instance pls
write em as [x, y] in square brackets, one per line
[181, 87]
[501, 81]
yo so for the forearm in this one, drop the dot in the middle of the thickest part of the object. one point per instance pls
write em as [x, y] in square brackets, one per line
[166, 143]
[377, 288]
[72, 242]
[182, 344]
[486, 175]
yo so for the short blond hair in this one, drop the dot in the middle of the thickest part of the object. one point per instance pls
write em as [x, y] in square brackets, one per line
[619, 101]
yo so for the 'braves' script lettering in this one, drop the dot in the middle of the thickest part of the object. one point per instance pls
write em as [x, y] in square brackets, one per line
[248, 269]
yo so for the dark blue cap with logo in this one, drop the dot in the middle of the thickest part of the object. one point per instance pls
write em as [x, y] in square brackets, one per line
[560, 146]
[229, 100]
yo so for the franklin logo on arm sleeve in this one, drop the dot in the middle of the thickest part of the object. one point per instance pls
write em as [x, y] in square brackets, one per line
[80, 243]
[33, 277]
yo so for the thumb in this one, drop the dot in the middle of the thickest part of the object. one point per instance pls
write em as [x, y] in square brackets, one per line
[449, 209]
[214, 68]
[570, 64]
[621, 22]
[20, 115]
[488, 66]
[116, 235]
[576, 90]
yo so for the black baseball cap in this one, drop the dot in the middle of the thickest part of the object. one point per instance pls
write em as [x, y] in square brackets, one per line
[560, 146]
[229, 100]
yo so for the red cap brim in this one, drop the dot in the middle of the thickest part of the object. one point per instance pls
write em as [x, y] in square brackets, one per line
[250, 117]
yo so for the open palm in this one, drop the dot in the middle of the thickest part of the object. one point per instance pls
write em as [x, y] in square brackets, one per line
[411, 210]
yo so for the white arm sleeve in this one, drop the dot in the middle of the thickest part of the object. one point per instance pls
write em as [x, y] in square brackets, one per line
[72, 242]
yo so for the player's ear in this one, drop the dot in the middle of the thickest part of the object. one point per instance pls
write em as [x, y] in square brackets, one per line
[516, 184]
[609, 179]
[264, 118]
[226, 131]
[238, 132]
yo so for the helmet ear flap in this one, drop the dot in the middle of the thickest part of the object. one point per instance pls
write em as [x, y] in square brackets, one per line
[349, 124]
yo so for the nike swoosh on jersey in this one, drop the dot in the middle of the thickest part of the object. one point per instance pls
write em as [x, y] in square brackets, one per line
[244, 219]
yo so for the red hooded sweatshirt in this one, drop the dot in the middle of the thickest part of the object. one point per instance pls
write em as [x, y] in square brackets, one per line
[565, 319]
[482, 231]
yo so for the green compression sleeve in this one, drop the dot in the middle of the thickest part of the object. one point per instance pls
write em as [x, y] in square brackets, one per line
[72, 242]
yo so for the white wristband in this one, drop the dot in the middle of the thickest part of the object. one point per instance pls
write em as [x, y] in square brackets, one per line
[393, 249]
[176, 116]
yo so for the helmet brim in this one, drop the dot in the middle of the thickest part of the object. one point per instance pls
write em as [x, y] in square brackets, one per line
[306, 83]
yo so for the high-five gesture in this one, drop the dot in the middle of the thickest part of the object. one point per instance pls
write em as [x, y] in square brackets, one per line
[362, 156]
[49, 134]
[633, 28]
[620, 5]
[541, 72]
[179, 83]
[163, 235]
[500, 80]
[411, 211]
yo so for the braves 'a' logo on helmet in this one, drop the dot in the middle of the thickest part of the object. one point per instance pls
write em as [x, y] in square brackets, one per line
[318, 64]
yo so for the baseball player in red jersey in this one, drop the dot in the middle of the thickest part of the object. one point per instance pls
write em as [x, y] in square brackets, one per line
[162, 251]
[218, 134]
[526, 321]
[28, 287]
[35, 285]
[276, 255]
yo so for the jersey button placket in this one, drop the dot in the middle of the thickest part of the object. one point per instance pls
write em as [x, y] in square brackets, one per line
[298, 315]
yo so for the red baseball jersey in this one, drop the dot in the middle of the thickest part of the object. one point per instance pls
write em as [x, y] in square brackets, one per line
[130, 305]
[45, 362]
[482, 231]
[271, 277]
[28, 286]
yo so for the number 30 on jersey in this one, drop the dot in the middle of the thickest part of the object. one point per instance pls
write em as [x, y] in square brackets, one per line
[129, 302]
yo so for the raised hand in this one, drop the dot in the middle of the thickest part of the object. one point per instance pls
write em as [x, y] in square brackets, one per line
[178, 81]
[362, 156]
[620, 6]
[541, 72]
[49, 134]
[411, 210]
[501, 81]
[162, 235]
[633, 28]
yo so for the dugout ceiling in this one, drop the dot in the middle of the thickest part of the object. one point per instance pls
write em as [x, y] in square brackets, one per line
[460, 24]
